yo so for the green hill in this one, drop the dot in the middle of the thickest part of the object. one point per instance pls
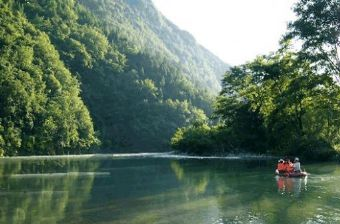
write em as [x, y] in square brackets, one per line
[40, 108]
[140, 76]
[138, 23]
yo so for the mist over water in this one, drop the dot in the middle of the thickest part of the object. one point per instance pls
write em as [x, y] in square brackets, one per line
[164, 188]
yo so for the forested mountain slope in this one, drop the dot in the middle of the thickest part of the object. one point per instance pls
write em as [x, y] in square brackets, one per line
[40, 108]
[139, 79]
[141, 26]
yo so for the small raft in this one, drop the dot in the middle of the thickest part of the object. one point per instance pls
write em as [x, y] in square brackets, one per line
[301, 174]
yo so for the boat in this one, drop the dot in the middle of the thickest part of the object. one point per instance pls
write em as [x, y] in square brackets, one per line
[292, 174]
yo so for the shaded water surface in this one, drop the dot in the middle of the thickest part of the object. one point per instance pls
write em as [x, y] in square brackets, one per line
[164, 189]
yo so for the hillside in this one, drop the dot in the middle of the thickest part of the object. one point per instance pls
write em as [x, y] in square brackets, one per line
[40, 108]
[140, 76]
[139, 24]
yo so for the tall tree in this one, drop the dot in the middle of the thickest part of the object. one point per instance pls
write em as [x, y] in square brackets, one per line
[318, 27]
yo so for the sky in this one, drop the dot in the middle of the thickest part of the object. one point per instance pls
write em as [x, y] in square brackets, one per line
[234, 30]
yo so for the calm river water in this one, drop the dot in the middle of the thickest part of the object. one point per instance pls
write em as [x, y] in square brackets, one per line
[164, 189]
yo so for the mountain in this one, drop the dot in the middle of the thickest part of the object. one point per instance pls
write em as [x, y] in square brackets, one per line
[41, 111]
[142, 26]
[135, 76]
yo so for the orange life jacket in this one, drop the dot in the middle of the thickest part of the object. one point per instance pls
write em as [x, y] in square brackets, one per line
[281, 167]
[286, 167]
[289, 167]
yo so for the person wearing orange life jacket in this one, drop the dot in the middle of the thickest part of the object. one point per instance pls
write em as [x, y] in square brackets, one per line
[281, 166]
[288, 166]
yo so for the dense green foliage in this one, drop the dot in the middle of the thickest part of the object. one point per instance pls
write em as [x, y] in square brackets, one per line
[283, 103]
[136, 26]
[318, 27]
[40, 108]
[140, 76]
[276, 103]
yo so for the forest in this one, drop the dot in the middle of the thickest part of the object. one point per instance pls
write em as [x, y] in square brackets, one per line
[283, 103]
[92, 76]
[97, 76]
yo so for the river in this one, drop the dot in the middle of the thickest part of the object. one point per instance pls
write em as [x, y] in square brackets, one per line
[164, 189]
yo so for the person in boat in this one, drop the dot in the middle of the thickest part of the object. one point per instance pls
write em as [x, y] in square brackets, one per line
[288, 166]
[280, 166]
[297, 165]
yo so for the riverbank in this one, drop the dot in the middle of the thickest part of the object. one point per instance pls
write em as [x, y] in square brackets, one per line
[170, 155]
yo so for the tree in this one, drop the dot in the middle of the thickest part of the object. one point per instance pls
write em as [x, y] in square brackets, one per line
[318, 27]
[136, 88]
[41, 111]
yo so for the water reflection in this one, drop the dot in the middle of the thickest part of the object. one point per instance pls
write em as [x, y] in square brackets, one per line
[44, 191]
[291, 186]
[164, 191]
[194, 184]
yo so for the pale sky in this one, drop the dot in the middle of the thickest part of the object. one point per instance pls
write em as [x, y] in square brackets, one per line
[234, 30]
